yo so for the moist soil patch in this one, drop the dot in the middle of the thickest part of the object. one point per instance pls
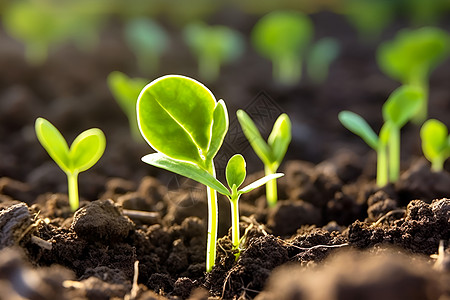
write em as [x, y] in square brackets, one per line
[140, 233]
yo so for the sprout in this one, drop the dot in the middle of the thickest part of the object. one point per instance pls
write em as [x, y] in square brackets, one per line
[320, 57]
[412, 56]
[435, 143]
[270, 153]
[400, 107]
[148, 41]
[282, 37]
[85, 151]
[126, 91]
[180, 118]
[213, 46]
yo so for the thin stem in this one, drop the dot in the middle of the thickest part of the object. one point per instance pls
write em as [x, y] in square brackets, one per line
[212, 223]
[235, 235]
[437, 165]
[382, 165]
[421, 81]
[394, 154]
[287, 69]
[72, 179]
[208, 68]
[271, 188]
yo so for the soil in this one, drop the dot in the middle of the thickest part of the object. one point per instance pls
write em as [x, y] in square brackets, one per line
[332, 235]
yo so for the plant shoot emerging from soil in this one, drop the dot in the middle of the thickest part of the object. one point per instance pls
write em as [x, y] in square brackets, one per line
[85, 151]
[213, 46]
[270, 153]
[126, 91]
[435, 143]
[400, 107]
[180, 118]
[282, 37]
[412, 56]
[320, 57]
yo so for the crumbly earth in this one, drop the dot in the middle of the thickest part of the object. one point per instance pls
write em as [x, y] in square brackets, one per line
[332, 235]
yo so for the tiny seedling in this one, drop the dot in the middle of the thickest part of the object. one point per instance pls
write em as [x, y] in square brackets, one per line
[126, 91]
[213, 46]
[412, 56]
[435, 143]
[85, 151]
[180, 118]
[270, 153]
[282, 37]
[148, 41]
[400, 107]
[320, 57]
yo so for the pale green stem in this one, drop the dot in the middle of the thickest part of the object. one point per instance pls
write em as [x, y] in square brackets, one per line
[421, 81]
[437, 165]
[394, 154]
[271, 188]
[72, 179]
[235, 235]
[287, 70]
[208, 68]
[382, 165]
[212, 223]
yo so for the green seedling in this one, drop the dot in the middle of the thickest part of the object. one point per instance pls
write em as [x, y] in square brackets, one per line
[282, 37]
[435, 143]
[412, 56]
[213, 46]
[85, 151]
[180, 118]
[400, 107]
[320, 57]
[148, 41]
[126, 91]
[270, 153]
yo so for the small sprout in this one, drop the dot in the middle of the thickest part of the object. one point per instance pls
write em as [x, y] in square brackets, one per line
[148, 41]
[320, 57]
[435, 143]
[270, 153]
[400, 107]
[213, 46]
[85, 151]
[126, 91]
[412, 56]
[180, 118]
[282, 37]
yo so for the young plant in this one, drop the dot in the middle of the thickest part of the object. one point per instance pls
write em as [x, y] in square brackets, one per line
[435, 143]
[213, 46]
[270, 153]
[126, 91]
[320, 57]
[148, 41]
[181, 119]
[85, 151]
[400, 107]
[282, 37]
[412, 56]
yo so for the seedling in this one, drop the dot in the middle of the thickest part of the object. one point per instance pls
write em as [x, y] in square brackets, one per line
[435, 143]
[148, 41]
[320, 57]
[282, 37]
[85, 151]
[126, 91]
[270, 153]
[400, 107]
[213, 47]
[181, 119]
[412, 56]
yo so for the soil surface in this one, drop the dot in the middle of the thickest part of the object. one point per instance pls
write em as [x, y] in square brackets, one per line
[140, 232]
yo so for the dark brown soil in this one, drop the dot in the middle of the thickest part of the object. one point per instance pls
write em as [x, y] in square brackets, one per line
[332, 235]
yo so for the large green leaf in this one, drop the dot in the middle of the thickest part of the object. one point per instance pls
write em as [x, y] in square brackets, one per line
[86, 149]
[175, 115]
[259, 182]
[434, 135]
[54, 143]
[356, 124]
[402, 105]
[187, 169]
[255, 139]
[219, 129]
[280, 138]
[235, 171]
